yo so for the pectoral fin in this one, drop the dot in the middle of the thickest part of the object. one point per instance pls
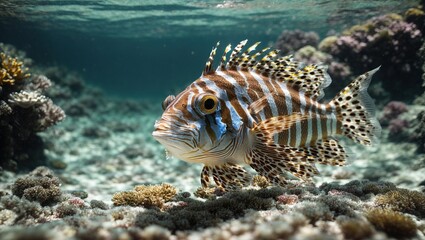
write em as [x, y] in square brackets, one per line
[274, 125]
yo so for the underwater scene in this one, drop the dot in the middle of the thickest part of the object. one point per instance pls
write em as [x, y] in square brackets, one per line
[290, 119]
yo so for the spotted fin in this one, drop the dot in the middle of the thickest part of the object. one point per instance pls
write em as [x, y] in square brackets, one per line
[357, 110]
[226, 176]
[328, 152]
[272, 161]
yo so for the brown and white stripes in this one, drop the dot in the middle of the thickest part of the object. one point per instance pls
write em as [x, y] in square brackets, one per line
[237, 90]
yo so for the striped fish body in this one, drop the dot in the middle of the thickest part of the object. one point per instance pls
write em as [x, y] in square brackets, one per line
[243, 88]
[265, 113]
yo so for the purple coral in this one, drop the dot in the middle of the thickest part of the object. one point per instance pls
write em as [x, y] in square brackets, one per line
[397, 126]
[290, 41]
[387, 41]
[392, 111]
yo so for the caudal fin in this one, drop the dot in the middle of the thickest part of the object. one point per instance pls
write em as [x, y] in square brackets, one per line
[356, 110]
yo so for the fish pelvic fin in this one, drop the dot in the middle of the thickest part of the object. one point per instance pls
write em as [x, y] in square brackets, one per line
[356, 111]
[227, 176]
[272, 161]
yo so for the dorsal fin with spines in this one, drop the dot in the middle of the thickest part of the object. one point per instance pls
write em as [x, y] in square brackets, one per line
[208, 65]
[223, 57]
[233, 61]
[310, 79]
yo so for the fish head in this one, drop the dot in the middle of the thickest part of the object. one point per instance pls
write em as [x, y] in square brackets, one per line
[191, 127]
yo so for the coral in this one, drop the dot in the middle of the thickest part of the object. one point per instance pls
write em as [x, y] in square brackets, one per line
[7, 217]
[39, 83]
[260, 181]
[207, 193]
[397, 129]
[421, 54]
[147, 196]
[353, 228]
[360, 188]
[198, 214]
[26, 99]
[315, 211]
[419, 132]
[416, 16]
[80, 194]
[403, 200]
[392, 111]
[24, 111]
[392, 223]
[40, 185]
[98, 204]
[290, 41]
[28, 212]
[327, 44]
[64, 210]
[12, 71]
[287, 199]
[387, 41]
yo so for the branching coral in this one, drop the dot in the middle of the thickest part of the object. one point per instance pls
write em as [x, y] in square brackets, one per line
[260, 181]
[24, 111]
[393, 223]
[353, 228]
[11, 70]
[147, 196]
[403, 200]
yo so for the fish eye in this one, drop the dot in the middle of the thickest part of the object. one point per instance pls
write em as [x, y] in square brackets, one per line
[167, 101]
[208, 104]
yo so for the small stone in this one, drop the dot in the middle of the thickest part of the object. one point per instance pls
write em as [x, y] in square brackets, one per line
[80, 193]
[99, 204]
[58, 164]
[185, 194]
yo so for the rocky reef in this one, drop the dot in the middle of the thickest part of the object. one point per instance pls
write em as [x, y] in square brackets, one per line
[390, 41]
[357, 209]
[24, 111]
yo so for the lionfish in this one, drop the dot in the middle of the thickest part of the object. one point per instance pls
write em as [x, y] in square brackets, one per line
[266, 114]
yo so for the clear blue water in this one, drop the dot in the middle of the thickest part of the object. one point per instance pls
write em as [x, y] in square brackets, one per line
[149, 49]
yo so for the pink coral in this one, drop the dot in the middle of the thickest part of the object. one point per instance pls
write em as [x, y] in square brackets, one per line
[392, 111]
[287, 199]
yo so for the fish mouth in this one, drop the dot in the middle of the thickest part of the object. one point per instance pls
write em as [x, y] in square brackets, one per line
[177, 139]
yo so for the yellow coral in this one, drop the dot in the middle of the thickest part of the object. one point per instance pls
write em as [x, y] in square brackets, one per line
[147, 196]
[205, 192]
[326, 44]
[393, 223]
[11, 70]
[260, 181]
[414, 12]
[403, 200]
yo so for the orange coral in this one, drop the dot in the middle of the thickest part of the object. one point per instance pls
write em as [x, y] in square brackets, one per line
[11, 70]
